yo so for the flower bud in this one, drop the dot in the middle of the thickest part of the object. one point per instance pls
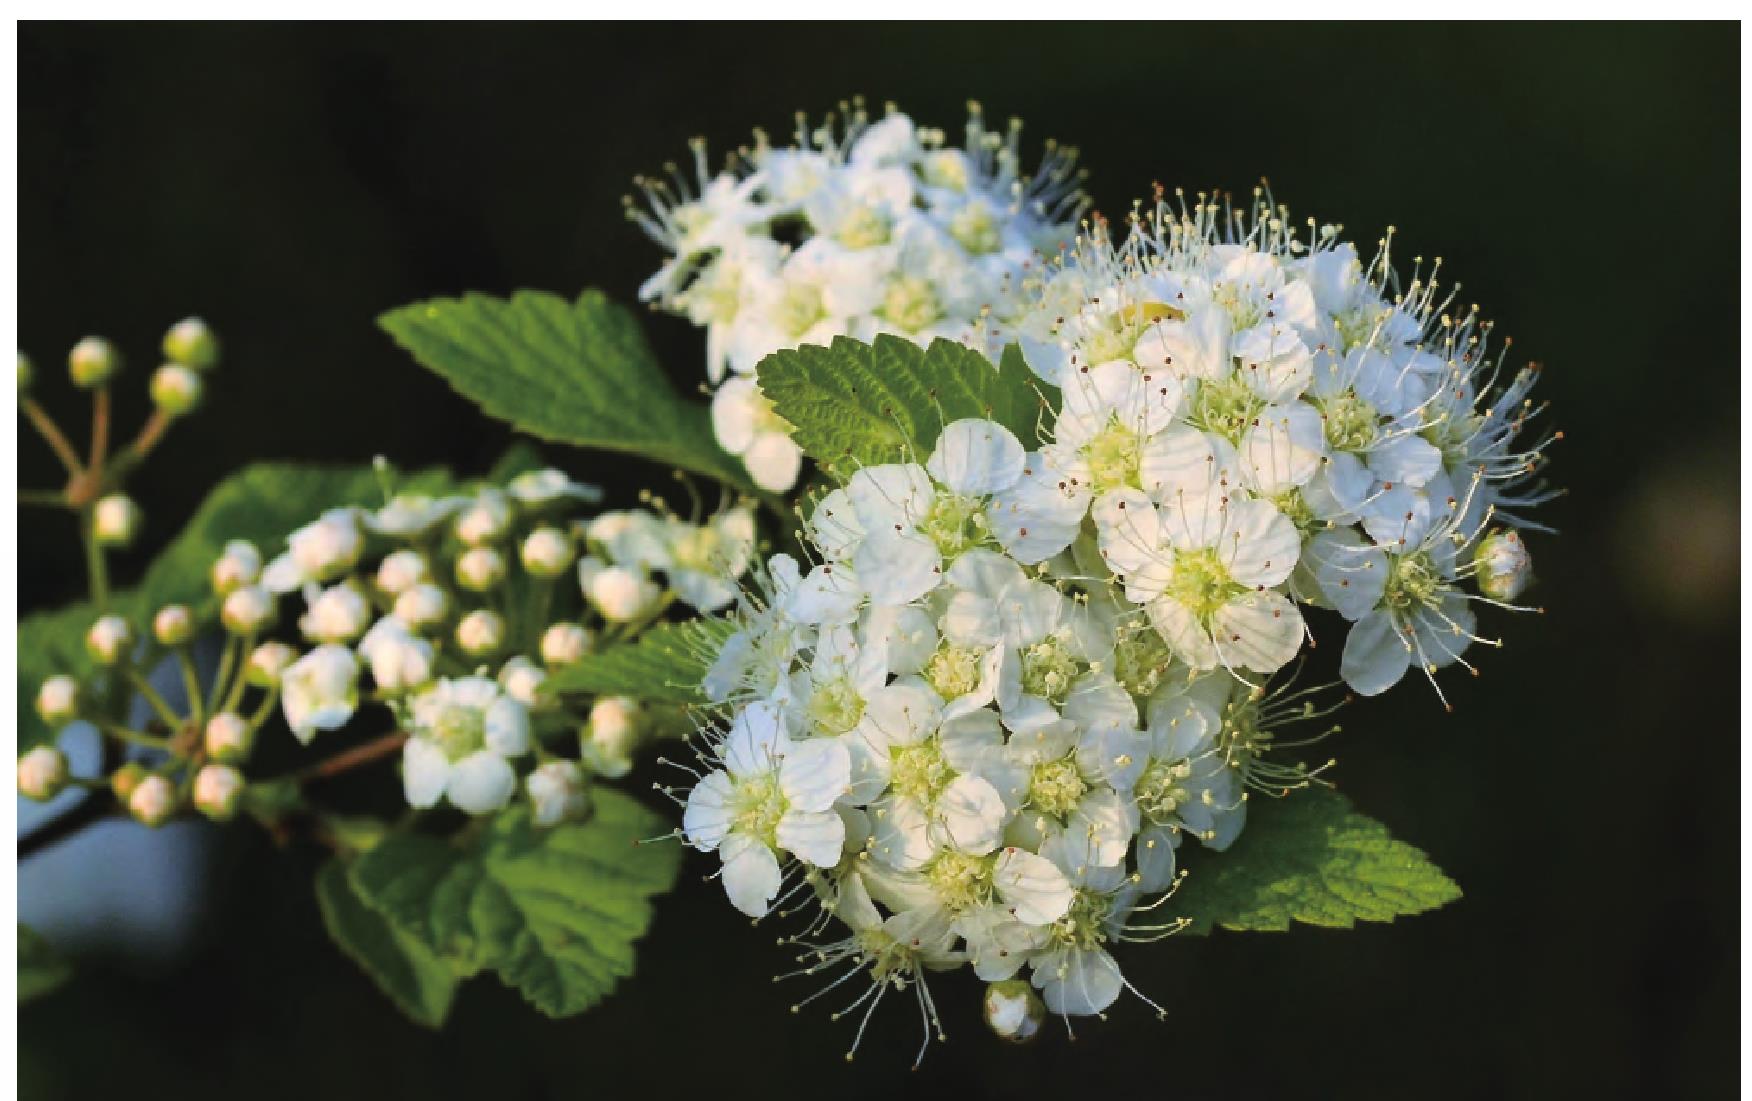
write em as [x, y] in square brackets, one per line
[327, 547]
[116, 520]
[57, 701]
[42, 773]
[110, 640]
[175, 389]
[547, 553]
[174, 625]
[486, 520]
[320, 691]
[1504, 566]
[338, 614]
[422, 607]
[190, 343]
[399, 661]
[537, 489]
[480, 633]
[217, 791]
[26, 373]
[557, 792]
[228, 737]
[267, 662]
[124, 780]
[616, 727]
[522, 680]
[564, 643]
[480, 569]
[621, 595]
[93, 362]
[1013, 1010]
[400, 571]
[247, 611]
[239, 564]
[153, 801]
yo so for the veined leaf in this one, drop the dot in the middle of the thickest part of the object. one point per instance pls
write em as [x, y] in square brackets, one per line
[40, 968]
[572, 372]
[421, 984]
[665, 665]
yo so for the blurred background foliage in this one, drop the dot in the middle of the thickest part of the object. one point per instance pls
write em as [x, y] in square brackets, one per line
[289, 183]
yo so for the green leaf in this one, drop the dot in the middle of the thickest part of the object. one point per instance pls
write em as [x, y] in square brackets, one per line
[665, 665]
[554, 912]
[420, 983]
[1308, 857]
[888, 401]
[40, 968]
[572, 372]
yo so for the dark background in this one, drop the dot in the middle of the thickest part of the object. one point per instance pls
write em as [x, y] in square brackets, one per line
[290, 183]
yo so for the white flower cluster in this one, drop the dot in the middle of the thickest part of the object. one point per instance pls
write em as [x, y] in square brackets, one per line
[460, 587]
[978, 726]
[876, 227]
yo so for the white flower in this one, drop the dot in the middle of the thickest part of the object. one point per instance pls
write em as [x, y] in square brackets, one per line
[614, 730]
[772, 796]
[557, 793]
[538, 489]
[619, 594]
[747, 427]
[410, 516]
[239, 564]
[336, 614]
[1075, 973]
[462, 732]
[1185, 784]
[320, 691]
[399, 660]
[317, 552]
[703, 561]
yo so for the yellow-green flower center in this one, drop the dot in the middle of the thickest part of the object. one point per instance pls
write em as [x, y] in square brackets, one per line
[864, 226]
[701, 550]
[1112, 455]
[954, 671]
[1140, 661]
[920, 771]
[976, 229]
[1056, 787]
[1049, 667]
[1351, 423]
[1201, 583]
[460, 731]
[798, 309]
[757, 806]
[911, 303]
[1412, 582]
[961, 882]
[1085, 923]
[1225, 406]
[956, 523]
[835, 706]
[1161, 790]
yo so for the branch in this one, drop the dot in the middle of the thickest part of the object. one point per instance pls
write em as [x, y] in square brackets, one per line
[93, 809]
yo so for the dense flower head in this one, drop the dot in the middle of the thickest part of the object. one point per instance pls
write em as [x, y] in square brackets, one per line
[1005, 687]
[858, 227]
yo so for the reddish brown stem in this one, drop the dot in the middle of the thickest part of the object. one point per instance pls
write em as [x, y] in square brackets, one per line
[353, 758]
[51, 433]
[100, 429]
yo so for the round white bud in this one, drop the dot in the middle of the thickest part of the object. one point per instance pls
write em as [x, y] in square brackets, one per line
[612, 735]
[327, 547]
[487, 519]
[564, 643]
[175, 389]
[522, 680]
[173, 625]
[547, 553]
[217, 791]
[267, 662]
[400, 571]
[1504, 566]
[480, 633]
[228, 737]
[557, 792]
[480, 568]
[338, 614]
[247, 610]
[57, 701]
[153, 801]
[1013, 1010]
[110, 640]
[42, 773]
[116, 520]
[621, 595]
[93, 362]
[422, 607]
[239, 564]
[191, 343]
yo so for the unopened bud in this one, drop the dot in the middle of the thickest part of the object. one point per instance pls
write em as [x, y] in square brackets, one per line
[338, 614]
[191, 343]
[522, 680]
[480, 569]
[175, 389]
[42, 773]
[239, 564]
[116, 520]
[247, 611]
[616, 727]
[267, 662]
[480, 633]
[57, 701]
[26, 373]
[173, 625]
[153, 801]
[228, 737]
[422, 607]
[110, 640]
[1013, 1010]
[563, 644]
[327, 547]
[621, 595]
[124, 780]
[557, 792]
[486, 520]
[217, 790]
[547, 553]
[93, 362]
[400, 571]
[535, 490]
[1504, 566]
